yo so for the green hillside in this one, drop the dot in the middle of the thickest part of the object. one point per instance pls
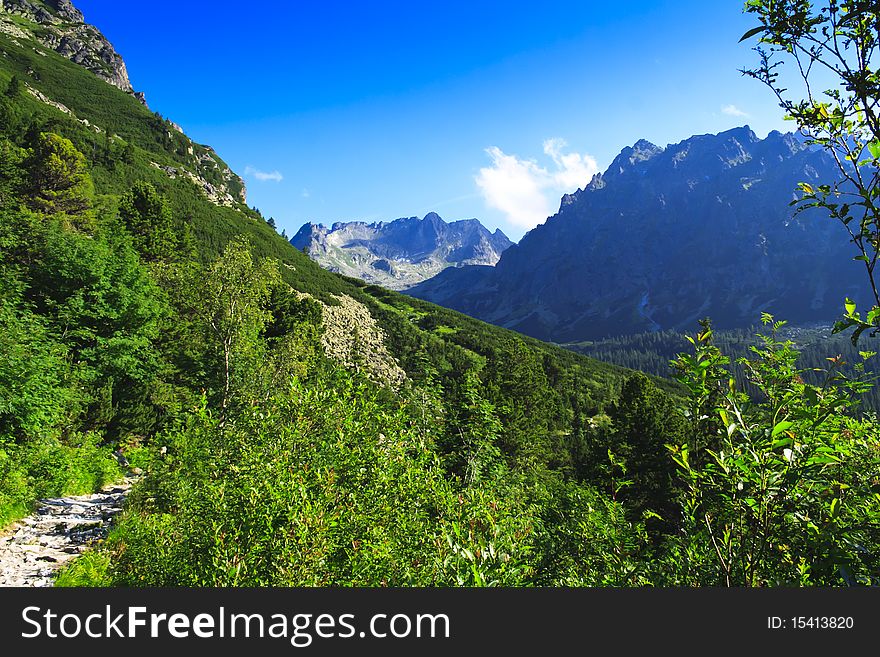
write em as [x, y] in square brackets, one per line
[295, 427]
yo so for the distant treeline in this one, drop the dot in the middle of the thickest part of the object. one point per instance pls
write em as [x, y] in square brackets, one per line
[653, 353]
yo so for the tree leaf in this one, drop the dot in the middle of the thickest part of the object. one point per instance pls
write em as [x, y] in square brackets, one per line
[751, 33]
[784, 442]
[779, 428]
[854, 338]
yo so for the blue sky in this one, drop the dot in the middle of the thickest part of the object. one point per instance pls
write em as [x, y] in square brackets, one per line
[374, 111]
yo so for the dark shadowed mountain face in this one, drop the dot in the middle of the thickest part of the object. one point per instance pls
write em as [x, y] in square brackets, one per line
[400, 253]
[667, 236]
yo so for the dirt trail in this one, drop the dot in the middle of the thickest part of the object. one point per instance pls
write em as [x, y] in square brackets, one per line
[32, 549]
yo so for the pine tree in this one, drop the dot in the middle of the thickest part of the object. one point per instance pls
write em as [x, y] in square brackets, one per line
[146, 215]
[60, 181]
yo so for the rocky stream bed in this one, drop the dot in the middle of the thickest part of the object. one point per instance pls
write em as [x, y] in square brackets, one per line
[35, 547]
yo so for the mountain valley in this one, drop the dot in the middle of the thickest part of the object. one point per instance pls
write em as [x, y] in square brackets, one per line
[411, 418]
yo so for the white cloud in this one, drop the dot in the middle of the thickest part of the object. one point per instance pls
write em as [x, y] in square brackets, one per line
[514, 186]
[262, 176]
[305, 193]
[527, 192]
[733, 110]
[573, 170]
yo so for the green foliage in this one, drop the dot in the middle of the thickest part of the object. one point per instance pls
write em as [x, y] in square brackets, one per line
[35, 375]
[645, 420]
[89, 569]
[11, 172]
[475, 453]
[588, 540]
[321, 485]
[48, 467]
[83, 306]
[326, 484]
[147, 216]
[623, 453]
[652, 353]
[15, 88]
[228, 304]
[781, 490]
[79, 314]
[98, 295]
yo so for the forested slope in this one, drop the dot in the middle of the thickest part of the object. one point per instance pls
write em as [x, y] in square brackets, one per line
[653, 353]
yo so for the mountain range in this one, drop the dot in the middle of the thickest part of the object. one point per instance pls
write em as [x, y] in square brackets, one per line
[400, 253]
[667, 236]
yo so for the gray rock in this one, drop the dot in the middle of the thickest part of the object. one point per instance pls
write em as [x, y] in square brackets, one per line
[60, 530]
[403, 252]
[65, 31]
[67, 11]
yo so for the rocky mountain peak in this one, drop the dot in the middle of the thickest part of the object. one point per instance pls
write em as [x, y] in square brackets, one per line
[401, 253]
[646, 148]
[709, 152]
[631, 156]
[62, 28]
[45, 12]
[781, 146]
[693, 161]
[66, 10]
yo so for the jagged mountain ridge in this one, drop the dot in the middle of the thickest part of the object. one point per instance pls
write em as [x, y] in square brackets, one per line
[401, 253]
[666, 236]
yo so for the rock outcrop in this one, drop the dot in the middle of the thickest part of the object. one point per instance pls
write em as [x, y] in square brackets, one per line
[222, 194]
[64, 30]
[353, 338]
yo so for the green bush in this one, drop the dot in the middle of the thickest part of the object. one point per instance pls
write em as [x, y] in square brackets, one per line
[779, 489]
[89, 569]
[46, 467]
[324, 485]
